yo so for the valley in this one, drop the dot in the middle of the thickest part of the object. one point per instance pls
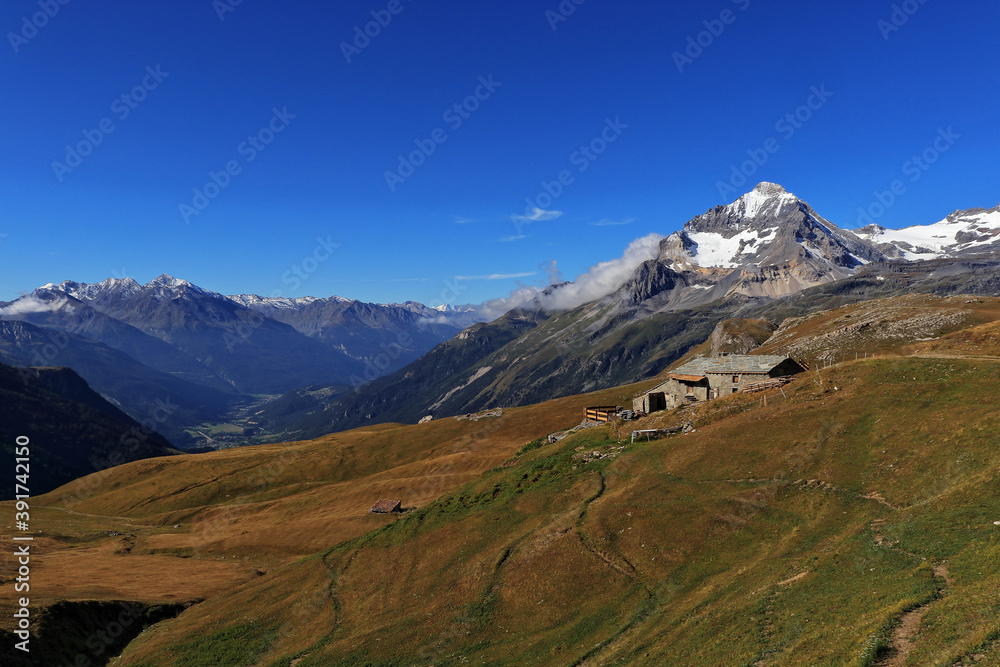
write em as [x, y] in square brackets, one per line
[794, 532]
[680, 348]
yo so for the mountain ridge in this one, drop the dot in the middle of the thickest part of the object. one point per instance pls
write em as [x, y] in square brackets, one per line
[607, 326]
[764, 252]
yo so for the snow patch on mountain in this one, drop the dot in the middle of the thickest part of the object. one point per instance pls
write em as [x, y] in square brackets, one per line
[166, 283]
[250, 300]
[767, 199]
[962, 232]
[715, 250]
[84, 292]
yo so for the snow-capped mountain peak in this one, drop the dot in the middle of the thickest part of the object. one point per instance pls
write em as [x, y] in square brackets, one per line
[767, 226]
[166, 280]
[121, 288]
[85, 292]
[765, 200]
[968, 232]
[253, 300]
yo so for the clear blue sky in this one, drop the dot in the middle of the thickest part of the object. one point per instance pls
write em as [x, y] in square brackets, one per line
[323, 176]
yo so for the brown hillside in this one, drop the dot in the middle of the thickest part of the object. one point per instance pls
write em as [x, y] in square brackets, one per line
[796, 530]
[192, 526]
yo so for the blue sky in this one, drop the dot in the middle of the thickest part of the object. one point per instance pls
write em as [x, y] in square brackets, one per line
[197, 87]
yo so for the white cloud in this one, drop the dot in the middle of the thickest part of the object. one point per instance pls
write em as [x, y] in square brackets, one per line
[31, 304]
[551, 269]
[597, 282]
[538, 215]
[607, 222]
[463, 221]
[508, 239]
[496, 276]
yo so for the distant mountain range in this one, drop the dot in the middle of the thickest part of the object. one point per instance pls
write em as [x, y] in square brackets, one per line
[625, 320]
[209, 353]
[766, 255]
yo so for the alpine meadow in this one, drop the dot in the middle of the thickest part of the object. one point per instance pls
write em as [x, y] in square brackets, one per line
[559, 334]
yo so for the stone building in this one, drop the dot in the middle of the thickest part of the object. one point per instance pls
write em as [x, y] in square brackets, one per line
[706, 378]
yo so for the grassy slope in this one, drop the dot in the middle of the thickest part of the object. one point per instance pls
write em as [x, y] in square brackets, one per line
[193, 526]
[800, 546]
[783, 535]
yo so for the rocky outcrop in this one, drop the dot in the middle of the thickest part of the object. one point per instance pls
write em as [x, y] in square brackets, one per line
[740, 336]
[651, 279]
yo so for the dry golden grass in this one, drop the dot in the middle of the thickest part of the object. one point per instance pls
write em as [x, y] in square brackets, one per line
[747, 542]
[243, 511]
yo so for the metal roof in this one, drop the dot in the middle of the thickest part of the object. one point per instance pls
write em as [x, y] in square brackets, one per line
[385, 506]
[733, 363]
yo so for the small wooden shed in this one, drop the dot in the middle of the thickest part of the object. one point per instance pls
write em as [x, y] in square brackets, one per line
[387, 507]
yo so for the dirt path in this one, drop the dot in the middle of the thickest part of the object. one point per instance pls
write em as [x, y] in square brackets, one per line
[606, 651]
[904, 637]
[96, 516]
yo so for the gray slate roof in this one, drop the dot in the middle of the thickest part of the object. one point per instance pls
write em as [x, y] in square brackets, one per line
[733, 363]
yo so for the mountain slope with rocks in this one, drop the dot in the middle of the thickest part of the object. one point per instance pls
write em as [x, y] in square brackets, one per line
[961, 234]
[766, 254]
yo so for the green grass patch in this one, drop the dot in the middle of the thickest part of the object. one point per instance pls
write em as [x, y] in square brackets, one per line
[235, 646]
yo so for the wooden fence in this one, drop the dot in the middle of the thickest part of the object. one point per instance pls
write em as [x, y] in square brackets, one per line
[601, 413]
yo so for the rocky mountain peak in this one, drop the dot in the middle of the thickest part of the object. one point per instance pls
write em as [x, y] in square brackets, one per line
[85, 292]
[769, 189]
[166, 280]
[760, 209]
[766, 226]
